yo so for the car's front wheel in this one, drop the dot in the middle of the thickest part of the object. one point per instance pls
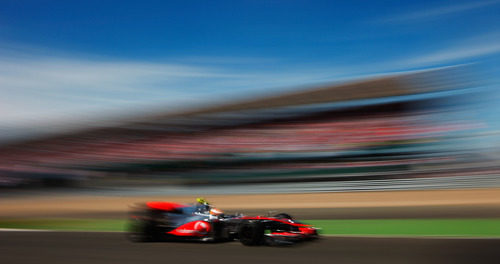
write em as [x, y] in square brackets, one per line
[251, 233]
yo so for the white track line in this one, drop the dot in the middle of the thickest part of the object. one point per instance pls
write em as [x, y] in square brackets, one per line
[23, 230]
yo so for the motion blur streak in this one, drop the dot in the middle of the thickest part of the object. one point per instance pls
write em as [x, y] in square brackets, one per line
[361, 118]
[422, 124]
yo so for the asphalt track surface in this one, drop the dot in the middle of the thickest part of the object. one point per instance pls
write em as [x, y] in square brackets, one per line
[81, 247]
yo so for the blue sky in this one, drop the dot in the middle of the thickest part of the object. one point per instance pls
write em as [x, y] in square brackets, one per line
[75, 61]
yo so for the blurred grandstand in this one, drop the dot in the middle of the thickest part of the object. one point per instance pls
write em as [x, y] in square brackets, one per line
[420, 124]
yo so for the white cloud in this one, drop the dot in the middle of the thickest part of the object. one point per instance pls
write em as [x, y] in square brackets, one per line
[211, 60]
[440, 11]
[473, 48]
[38, 90]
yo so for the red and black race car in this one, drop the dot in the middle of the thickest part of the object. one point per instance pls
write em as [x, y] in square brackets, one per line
[167, 221]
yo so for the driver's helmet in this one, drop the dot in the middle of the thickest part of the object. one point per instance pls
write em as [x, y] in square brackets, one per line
[203, 206]
[202, 201]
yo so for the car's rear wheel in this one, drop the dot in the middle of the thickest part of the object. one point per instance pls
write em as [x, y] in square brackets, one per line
[140, 230]
[251, 233]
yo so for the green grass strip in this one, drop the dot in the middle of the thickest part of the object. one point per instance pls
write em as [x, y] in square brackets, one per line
[66, 224]
[361, 227]
[410, 227]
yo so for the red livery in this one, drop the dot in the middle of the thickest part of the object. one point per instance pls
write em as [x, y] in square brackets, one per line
[167, 221]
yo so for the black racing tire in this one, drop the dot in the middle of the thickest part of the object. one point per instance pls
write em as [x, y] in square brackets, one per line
[251, 233]
[283, 216]
[142, 231]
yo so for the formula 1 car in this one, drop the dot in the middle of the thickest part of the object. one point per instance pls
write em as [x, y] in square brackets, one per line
[168, 221]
